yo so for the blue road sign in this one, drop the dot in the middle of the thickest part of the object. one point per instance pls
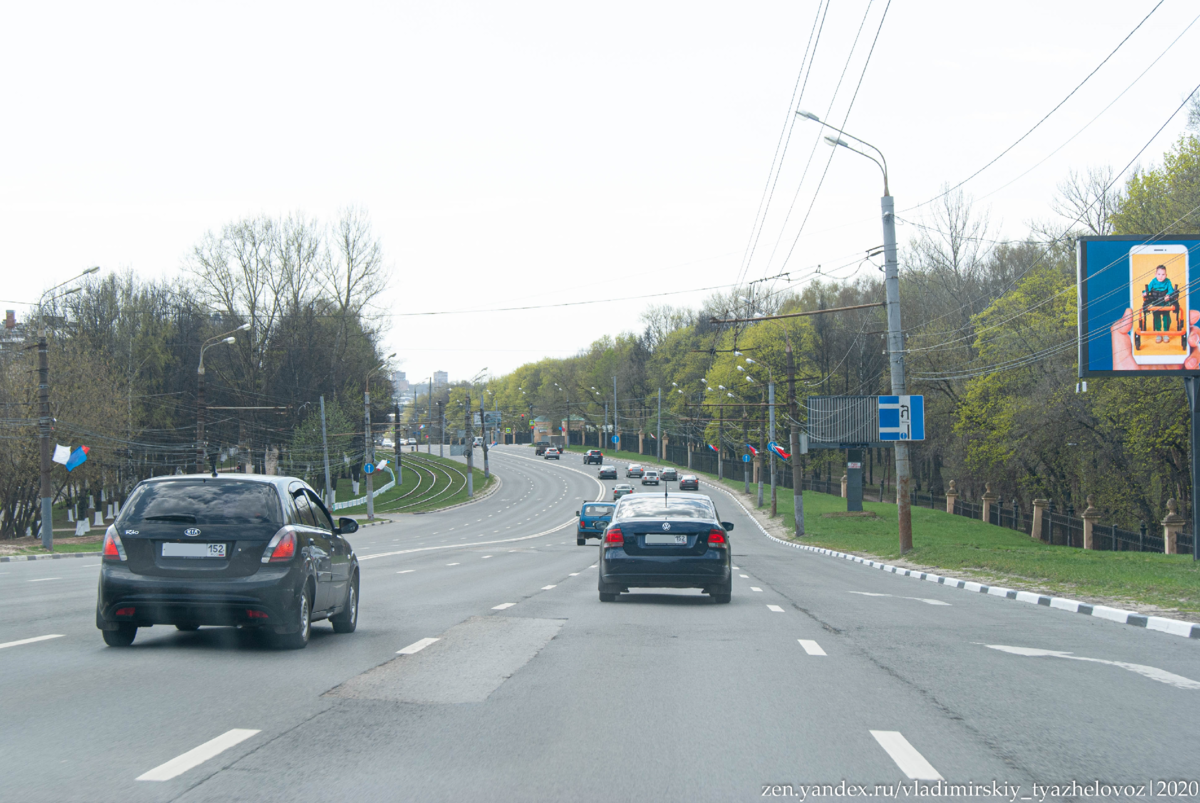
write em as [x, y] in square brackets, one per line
[615, 439]
[901, 418]
[369, 468]
[745, 458]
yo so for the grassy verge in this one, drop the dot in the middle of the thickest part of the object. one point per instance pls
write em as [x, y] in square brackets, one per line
[430, 497]
[956, 543]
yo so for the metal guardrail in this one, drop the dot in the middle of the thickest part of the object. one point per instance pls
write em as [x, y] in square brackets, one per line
[362, 500]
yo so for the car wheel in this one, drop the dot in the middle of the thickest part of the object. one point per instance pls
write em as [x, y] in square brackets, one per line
[123, 636]
[187, 628]
[722, 594]
[580, 541]
[606, 597]
[299, 639]
[347, 620]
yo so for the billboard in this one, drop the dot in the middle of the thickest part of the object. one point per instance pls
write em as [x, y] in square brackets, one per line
[1136, 307]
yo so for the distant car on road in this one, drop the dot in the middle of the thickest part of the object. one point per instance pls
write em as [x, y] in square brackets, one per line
[540, 447]
[658, 541]
[650, 477]
[241, 550]
[689, 482]
[668, 475]
[607, 473]
[593, 520]
[551, 453]
[621, 490]
[412, 441]
[593, 456]
[634, 470]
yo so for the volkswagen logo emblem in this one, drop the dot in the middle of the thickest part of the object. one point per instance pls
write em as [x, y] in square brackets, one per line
[192, 531]
[666, 525]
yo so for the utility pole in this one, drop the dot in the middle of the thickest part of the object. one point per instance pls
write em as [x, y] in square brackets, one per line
[47, 489]
[470, 447]
[429, 435]
[720, 445]
[616, 434]
[325, 447]
[794, 442]
[441, 429]
[771, 401]
[660, 446]
[606, 435]
[483, 439]
[399, 446]
[762, 453]
[896, 360]
[370, 451]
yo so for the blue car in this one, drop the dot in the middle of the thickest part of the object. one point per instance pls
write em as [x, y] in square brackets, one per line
[593, 520]
[664, 541]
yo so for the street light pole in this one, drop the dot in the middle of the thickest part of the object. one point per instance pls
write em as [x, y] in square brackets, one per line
[895, 332]
[370, 442]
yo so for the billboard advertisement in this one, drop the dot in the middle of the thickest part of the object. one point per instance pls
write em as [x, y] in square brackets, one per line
[1137, 308]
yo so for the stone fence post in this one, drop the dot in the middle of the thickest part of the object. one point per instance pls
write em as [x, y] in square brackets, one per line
[1171, 525]
[1039, 507]
[951, 496]
[1090, 517]
[989, 499]
[845, 482]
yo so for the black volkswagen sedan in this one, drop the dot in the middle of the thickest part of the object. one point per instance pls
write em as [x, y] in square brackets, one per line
[235, 550]
[663, 541]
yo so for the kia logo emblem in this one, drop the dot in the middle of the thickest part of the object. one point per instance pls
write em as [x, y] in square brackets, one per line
[192, 531]
[666, 525]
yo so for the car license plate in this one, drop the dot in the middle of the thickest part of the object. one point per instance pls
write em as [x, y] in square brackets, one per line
[659, 539]
[174, 550]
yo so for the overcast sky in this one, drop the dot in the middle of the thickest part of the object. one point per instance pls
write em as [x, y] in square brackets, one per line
[520, 153]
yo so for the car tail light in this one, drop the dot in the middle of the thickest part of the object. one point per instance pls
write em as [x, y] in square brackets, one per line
[716, 539]
[113, 548]
[252, 614]
[125, 612]
[281, 548]
[614, 537]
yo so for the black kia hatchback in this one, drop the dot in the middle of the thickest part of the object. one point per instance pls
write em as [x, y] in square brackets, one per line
[235, 550]
[662, 541]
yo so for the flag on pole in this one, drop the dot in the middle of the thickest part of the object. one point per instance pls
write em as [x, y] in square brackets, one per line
[715, 449]
[777, 449]
[78, 457]
[753, 451]
[61, 454]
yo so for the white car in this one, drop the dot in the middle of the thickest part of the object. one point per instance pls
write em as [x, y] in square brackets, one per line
[650, 477]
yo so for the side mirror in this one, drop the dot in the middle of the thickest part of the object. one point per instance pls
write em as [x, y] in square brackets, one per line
[347, 525]
[728, 525]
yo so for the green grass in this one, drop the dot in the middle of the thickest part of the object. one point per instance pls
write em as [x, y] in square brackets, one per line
[430, 496]
[955, 543]
[61, 544]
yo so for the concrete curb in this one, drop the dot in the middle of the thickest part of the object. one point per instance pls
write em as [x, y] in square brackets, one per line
[1174, 627]
[53, 556]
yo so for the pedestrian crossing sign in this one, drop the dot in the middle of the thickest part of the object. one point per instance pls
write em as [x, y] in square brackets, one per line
[901, 418]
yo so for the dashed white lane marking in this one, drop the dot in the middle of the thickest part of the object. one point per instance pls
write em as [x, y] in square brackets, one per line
[416, 646]
[811, 647]
[406, 571]
[547, 588]
[453, 564]
[197, 755]
[1152, 672]
[926, 600]
[775, 608]
[574, 574]
[42, 579]
[485, 557]
[744, 576]
[594, 565]
[737, 568]
[503, 605]
[19, 642]
[910, 762]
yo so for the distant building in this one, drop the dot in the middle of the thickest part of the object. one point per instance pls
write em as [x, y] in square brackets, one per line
[440, 379]
[399, 383]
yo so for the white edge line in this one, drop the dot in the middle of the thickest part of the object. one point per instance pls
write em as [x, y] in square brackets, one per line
[910, 762]
[30, 640]
[197, 755]
[503, 606]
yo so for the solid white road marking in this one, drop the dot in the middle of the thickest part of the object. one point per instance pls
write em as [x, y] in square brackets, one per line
[29, 640]
[756, 588]
[811, 647]
[926, 600]
[547, 588]
[453, 564]
[503, 605]
[416, 646]
[197, 755]
[406, 571]
[910, 762]
[1152, 672]
[775, 608]
[43, 579]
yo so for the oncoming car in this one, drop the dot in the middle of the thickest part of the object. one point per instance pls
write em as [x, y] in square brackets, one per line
[662, 541]
[621, 490]
[245, 550]
[607, 473]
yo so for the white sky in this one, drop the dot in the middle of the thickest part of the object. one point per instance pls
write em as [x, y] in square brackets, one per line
[522, 152]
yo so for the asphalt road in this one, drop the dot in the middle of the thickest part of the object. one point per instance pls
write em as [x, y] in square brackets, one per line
[518, 684]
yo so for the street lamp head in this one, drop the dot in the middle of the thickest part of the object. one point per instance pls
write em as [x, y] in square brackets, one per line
[833, 142]
[93, 269]
[808, 115]
[229, 340]
[244, 327]
[750, 361]
[730, 395]
[740, 368]
[705, 381]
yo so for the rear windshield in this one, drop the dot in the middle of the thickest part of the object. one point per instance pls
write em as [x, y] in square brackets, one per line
[669, 508]
[203, 502]
[597, 510]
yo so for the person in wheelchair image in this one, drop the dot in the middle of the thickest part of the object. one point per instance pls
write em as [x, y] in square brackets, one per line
[1160, 299]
